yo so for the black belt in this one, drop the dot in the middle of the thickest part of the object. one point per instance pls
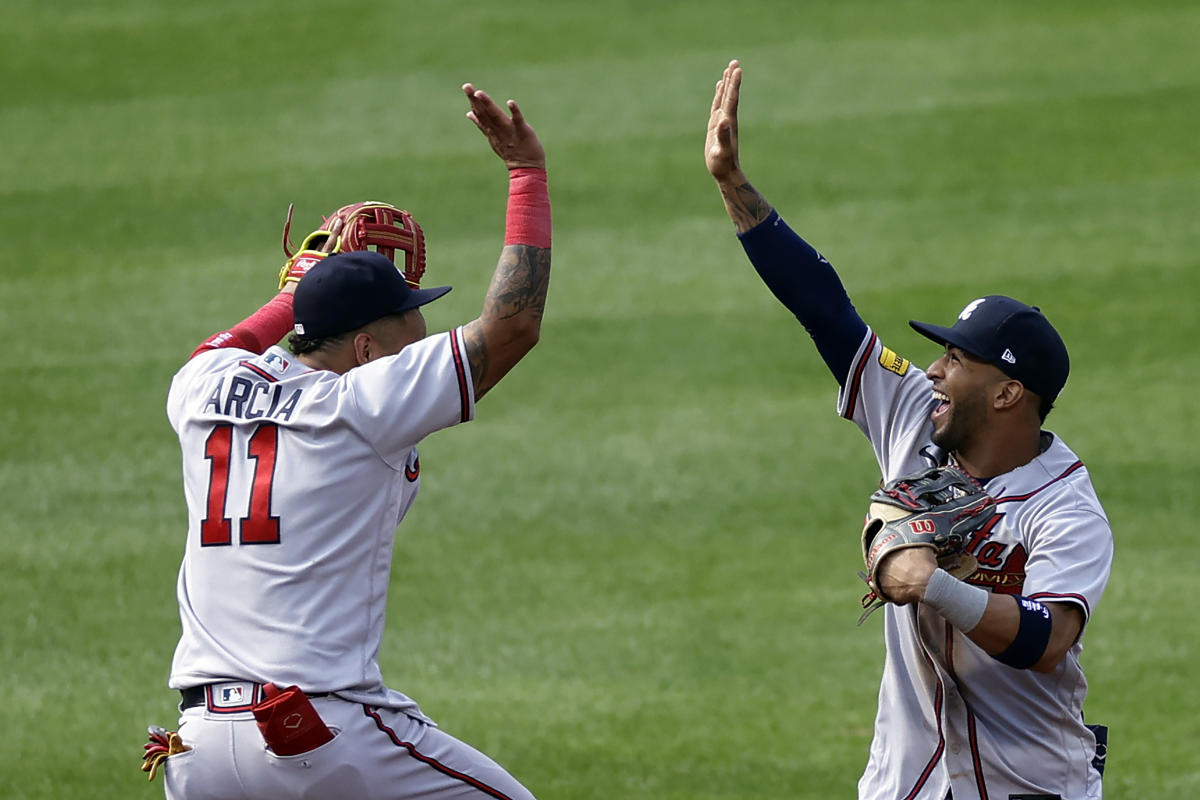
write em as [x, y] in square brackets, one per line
[197, 696]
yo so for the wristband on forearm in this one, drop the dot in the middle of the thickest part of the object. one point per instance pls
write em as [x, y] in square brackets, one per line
[960, 603]
[256, 332]
[528, 217]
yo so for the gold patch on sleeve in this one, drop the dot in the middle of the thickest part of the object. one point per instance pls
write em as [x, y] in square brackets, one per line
[892, 362]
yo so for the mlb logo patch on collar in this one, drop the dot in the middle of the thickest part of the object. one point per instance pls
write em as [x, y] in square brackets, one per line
[276, 362]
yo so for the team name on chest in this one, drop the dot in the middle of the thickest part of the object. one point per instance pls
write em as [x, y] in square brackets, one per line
[248, 399]
[1001, 559]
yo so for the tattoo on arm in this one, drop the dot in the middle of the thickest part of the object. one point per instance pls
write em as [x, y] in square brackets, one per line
[747, 208]
[517, 293]
[520, 283]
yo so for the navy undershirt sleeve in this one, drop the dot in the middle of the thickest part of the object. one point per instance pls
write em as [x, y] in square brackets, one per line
[808, 286]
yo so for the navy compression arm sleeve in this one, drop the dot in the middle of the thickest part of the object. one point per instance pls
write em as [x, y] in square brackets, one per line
[807, 285]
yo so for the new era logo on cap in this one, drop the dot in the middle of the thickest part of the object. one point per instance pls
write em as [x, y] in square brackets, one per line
[1008, 356]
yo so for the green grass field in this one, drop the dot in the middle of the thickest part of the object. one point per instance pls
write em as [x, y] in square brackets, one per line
[633, 575]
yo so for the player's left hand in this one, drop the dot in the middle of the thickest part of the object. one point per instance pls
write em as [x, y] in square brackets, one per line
[316, 246]
[510, 137]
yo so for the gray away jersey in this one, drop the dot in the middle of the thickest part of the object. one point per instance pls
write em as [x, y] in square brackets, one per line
[295, 481]
[950, 715]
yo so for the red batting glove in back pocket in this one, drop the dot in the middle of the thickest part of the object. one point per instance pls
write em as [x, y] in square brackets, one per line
[289, 723]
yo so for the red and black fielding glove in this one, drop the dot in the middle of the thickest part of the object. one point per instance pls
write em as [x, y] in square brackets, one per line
[369, 225]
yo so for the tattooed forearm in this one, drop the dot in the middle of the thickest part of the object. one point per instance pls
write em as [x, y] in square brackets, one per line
[512, 315]
[747, 208]
[520, 283]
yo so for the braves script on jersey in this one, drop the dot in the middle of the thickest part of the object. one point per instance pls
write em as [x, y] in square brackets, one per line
[951, 716]
[295, 481]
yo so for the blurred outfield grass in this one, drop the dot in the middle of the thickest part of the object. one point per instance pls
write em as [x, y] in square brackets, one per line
[633, 576]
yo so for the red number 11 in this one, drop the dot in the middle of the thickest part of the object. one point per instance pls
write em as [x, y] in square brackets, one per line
[259, 526]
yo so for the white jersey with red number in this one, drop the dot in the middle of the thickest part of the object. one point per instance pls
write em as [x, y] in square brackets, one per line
[951, 716]
[295, 481]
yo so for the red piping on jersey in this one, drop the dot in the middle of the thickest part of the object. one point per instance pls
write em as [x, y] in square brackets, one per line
[972, 738]
[1016, 498]
[440, 767]
[941, 748]
[852, 396]
[1052, 596]
[462, 376]
[259, 371]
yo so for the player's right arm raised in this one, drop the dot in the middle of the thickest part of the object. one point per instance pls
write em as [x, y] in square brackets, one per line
[511, 320]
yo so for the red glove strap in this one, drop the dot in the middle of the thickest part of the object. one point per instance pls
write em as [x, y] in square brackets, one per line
[528, 217]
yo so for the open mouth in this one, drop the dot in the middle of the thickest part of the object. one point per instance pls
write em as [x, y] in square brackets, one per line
[943, 404]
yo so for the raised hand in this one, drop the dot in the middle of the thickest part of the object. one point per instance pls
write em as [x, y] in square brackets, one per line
[510, 137]
[721, 143]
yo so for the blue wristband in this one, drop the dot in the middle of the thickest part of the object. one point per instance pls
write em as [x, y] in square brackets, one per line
[1032, 636]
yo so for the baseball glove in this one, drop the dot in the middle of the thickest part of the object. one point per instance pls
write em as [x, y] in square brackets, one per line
[368, 225]
[936, 508]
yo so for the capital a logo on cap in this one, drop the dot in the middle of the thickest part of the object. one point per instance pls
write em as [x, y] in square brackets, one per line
[970, 309]
[1008, 356]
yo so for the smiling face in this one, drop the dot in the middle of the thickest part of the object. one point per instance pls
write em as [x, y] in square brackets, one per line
[965, 388]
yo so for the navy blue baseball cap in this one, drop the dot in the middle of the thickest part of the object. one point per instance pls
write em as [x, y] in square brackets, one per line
[343, 292]
[1016, 338]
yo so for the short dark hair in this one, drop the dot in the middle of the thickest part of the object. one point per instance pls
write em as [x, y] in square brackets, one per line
[301, 345]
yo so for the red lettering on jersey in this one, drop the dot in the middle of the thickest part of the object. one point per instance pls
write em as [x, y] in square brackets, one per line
[259, 527]
[1009, 578]
[216, 528]
[983, 534]
[989, 554]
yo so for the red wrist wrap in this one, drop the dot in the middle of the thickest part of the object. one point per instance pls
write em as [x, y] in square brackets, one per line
[528, 217]
[258, 331]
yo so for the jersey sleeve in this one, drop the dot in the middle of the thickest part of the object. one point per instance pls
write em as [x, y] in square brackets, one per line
[1070, 556]
[889, 399]
[401, 399]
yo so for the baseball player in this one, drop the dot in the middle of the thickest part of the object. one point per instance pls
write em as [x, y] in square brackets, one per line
[982, 690]
[298, 467]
